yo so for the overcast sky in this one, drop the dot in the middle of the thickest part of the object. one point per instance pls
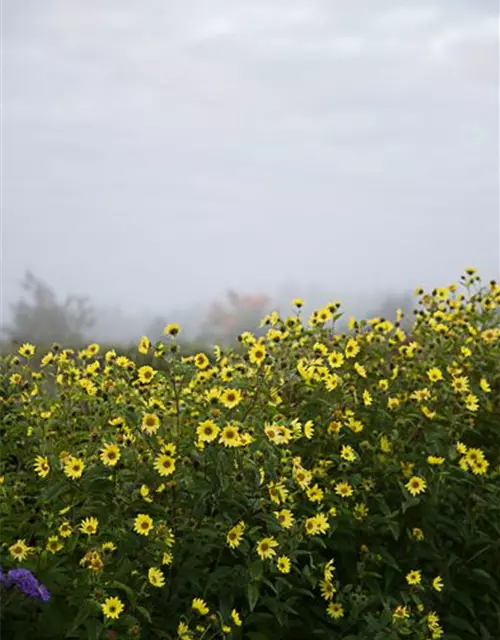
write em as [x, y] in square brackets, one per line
[157, 151]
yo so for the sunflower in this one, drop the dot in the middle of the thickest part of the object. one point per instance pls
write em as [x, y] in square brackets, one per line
[257, 354]
[414, 577]
[110, 455]
[235, 616]
[416, 485]
[230, 437]
[27, 350]
[230, 398]
[201, 361]
[235, 535]
[351, 349]
[73, 467]
[89, 526]
[207, 431]
[146, 374]
[156, 577]
[143, 524]
[144, 345]
[164, 464]
[343, 489]
[20, 550]
[437, 583]
[200, 606]
[327, 589]
[335, 610]
[172, 329]
[112, 608]
[347, 453]
[283, 564]
[285, 518]
[150, 423]
[266, 546]
[41, 466]
[65, 529]
[54, 544]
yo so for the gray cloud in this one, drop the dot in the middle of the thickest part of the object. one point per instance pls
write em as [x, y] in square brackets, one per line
[158, 152]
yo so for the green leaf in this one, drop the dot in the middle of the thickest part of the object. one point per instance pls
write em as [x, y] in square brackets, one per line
[253, 594]
[143, 611]
[255, 569]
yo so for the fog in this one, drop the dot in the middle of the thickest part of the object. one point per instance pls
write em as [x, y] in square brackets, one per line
[157, 154]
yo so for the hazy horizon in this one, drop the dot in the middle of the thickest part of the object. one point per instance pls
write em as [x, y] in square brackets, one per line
[157, 154]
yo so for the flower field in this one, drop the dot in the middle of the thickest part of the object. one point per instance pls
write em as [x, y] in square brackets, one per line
[308, 484]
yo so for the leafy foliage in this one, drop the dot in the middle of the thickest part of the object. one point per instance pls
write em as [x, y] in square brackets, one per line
[310, 484]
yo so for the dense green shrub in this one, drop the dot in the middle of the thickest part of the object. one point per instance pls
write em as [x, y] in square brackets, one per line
[316, 484]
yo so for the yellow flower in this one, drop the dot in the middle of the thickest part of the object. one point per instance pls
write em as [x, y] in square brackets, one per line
[343, 489]
[257, 354]
[143, 524]
[418, 534]
[108, 546]
[416, 485]
[461, 448]
[150, 423]
[200, 606]
[54, 544]
[414, 577]
[164, 465]
[335, 610]
[20, 550]
[235, 616]
[472, 402]
[110, 455]
[434, 374]
[327, 589]
[167, 558]
[230, 437]
[385, 444]
[283, 564]
[367, 398]
[435, 460]
[201, 361]
[73, 467]
[207, 431]
[360, 369]
[235, 535]
[285, 518]
[401, 612]
[485, 385]
[230, 398]
[65, 529]
[460, 384]
[27, 350]
[89, 526]
[156, 577]
[266, 546]
[351, 349]
[335, 359]
[146, 374]
[172, 329]
[309, 429]
[347, 453]
[112, 608]
[315, 493]
[144, 345]
[437, 583]
[41, 466]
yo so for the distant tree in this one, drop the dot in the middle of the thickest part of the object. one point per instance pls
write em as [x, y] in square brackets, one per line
[388, 307]
[42, 318]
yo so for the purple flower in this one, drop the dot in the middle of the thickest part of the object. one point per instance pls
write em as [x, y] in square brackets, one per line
[26, 582]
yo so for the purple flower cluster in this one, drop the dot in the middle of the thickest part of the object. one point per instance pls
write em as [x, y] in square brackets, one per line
[26, 582]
